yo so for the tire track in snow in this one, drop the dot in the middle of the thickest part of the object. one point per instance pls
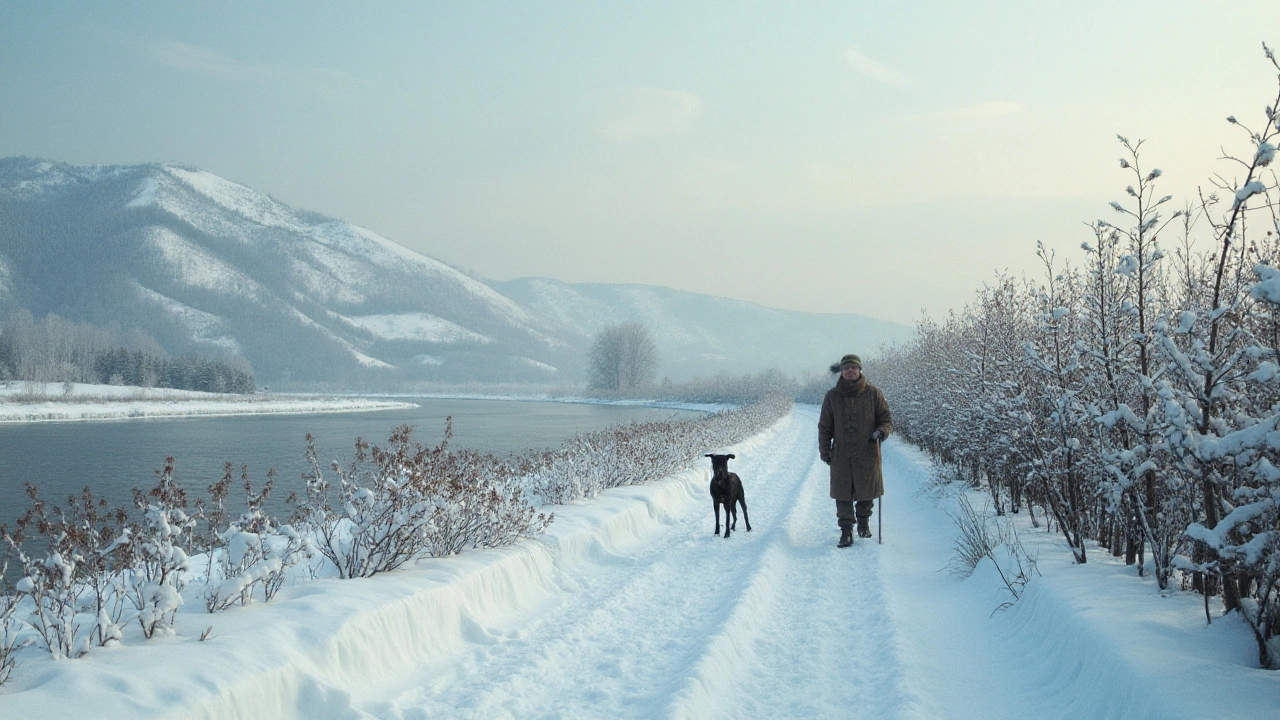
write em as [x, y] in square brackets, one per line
[629, 629]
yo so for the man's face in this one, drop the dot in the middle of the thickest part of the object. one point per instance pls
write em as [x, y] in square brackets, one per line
[851, 372]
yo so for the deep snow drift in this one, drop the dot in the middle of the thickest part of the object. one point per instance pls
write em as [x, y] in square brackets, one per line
[630, 607]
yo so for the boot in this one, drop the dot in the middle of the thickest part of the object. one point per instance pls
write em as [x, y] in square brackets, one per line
[864, 527]
[846, 536]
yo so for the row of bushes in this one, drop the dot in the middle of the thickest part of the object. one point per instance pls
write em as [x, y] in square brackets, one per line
[88, 572]
[640, 452]
[1134, 398]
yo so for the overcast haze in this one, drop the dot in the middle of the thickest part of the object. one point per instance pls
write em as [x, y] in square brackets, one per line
[862, 157]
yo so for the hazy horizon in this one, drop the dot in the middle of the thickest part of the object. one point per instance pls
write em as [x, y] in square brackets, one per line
[877, 160]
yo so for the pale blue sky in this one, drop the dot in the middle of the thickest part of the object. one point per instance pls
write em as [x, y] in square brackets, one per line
[870, 157]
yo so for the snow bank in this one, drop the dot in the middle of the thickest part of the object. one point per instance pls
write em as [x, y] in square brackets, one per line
[22, 402]
[1089, 640]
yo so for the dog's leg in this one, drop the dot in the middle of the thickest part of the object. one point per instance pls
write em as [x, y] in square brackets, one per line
[742, 499]
[715, 505]
[729, 510]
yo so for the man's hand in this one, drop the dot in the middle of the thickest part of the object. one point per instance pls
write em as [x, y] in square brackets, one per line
[876, 436]
[826, 459]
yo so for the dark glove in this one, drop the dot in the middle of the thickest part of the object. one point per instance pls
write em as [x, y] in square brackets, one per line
[826, 459]
[877, 436]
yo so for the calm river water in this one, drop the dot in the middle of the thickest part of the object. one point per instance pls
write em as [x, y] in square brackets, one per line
[111, 457]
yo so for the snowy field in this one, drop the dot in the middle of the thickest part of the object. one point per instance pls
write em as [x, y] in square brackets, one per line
[628, 607]
[50, 402]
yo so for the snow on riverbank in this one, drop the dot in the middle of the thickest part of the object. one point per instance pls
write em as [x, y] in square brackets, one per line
[28, 402]
[554, 397]
[629, 607]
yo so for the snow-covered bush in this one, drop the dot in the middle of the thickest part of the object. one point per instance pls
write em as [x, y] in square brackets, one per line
[406, 501]
[253, 552]
[1054, 417]
[71, 562]
[51, 581]
[1124, 298]
[98, 535]
[161, 565]
[9, 623]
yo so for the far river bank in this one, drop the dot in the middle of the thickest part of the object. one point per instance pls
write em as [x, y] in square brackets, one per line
[27, 402]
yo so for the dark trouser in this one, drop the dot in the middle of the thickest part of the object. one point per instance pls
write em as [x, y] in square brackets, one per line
[847, 511]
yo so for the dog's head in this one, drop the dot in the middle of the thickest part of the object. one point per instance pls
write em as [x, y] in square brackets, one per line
[720, 463]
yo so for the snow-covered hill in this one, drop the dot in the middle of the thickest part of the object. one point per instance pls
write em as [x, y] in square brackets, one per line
[209, 266]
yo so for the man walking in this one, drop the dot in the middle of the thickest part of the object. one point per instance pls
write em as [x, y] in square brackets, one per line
[854, 419]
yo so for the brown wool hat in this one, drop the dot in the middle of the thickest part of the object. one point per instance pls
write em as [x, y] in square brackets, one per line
[850, 360]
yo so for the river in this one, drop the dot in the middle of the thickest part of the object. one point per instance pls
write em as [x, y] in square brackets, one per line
[112, 457]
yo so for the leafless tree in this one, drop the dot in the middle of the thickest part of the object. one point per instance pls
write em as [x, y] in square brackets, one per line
[623, 357]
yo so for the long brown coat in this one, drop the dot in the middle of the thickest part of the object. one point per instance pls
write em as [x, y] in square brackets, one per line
[851, 412]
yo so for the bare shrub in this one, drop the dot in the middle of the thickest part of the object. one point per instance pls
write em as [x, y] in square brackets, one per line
[50, 581]
[405, 501]
[97, 535]
[9, 622]
[254, 551]
[155, 582]
[987, 536]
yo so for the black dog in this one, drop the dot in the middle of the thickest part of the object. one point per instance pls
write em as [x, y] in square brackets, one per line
[726, 490]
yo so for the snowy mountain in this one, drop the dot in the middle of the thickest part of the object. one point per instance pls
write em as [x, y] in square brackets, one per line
[208, 266]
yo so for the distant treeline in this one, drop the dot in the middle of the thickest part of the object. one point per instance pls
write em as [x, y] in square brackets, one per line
[124, 367]
[59, 350]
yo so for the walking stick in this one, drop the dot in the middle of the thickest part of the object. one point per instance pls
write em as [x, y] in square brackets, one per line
[879, 507]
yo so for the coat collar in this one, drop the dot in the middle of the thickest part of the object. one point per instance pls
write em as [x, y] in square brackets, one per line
[851, 387]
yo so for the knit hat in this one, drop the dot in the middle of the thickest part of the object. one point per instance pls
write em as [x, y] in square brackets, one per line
[846, 360]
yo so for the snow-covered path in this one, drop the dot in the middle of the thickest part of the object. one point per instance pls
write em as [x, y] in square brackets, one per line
[689, 624]
[778, 622]
[629, 607]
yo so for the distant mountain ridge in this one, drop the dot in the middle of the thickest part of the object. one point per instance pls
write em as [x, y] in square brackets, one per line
[703, 334]
[209, 266]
